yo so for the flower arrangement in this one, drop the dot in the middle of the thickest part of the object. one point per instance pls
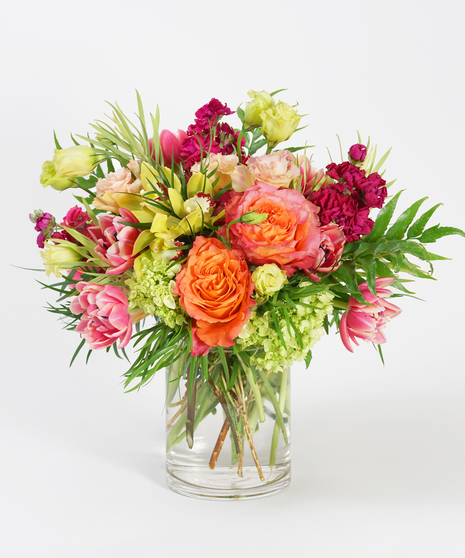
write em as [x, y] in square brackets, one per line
[226, 258]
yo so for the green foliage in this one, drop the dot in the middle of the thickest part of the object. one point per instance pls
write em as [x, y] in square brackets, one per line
[157, 348]
[386, 251]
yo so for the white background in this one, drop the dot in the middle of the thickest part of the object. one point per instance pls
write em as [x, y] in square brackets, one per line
[378, 452]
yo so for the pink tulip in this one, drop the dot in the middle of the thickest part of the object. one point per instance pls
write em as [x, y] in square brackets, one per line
[115, 240]
[105, 317]
[312, 178]
[332, 245]
[171, 145]
[366, 321]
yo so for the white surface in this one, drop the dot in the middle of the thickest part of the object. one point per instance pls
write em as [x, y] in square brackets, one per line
[378, 453]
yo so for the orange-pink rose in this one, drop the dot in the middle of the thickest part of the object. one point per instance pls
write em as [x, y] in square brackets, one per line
[214, 287]
[289, 237]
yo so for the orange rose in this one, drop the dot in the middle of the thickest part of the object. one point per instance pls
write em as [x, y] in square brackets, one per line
[214, 288]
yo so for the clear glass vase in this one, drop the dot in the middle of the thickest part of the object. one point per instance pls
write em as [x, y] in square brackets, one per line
[228, 434]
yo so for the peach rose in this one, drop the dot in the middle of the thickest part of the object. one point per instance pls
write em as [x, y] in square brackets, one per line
[289, 237]
[222, 165]
[110, 188]
[276, 169]
[214, 287]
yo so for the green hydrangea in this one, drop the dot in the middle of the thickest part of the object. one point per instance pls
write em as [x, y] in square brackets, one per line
[260, 333]
[151, 289]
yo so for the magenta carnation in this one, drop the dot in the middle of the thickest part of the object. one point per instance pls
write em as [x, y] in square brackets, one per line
[209, 115]
[44, 225]
[348, 201]
[207, 135]
[105, 318]
[78, 220]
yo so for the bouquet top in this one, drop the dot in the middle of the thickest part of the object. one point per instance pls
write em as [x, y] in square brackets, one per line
[214, 242]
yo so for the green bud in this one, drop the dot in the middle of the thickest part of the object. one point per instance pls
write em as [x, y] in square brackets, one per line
[253, 218]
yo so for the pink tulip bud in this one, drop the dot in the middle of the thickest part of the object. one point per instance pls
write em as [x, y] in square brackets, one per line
[367, 321]
[171, 145]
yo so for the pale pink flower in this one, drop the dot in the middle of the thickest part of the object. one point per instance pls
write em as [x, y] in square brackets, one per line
[276, 169]
[220, 167]
[367, 321]
[119, 181]
[105, 318]
[242, 179]
[134, 167]
[115, 240]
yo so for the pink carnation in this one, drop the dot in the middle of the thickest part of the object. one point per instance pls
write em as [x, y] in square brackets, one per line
[105, 318]
[289, 237]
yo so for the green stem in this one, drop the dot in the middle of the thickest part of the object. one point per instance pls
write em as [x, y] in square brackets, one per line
[339, 304]
[255, 389]
[282, 402]
[272, 398]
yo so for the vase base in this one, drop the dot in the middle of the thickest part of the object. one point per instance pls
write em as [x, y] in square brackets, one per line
[224, 484]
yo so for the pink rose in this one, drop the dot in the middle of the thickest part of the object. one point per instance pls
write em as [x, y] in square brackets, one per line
[276, 169]
[105, 317]
[366, 321]
[289, 237]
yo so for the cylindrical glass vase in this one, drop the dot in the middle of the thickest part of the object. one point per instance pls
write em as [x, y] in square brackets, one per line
[228, 429]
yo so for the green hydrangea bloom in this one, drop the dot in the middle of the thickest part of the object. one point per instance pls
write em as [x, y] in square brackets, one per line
[151, 289]
[260, 333]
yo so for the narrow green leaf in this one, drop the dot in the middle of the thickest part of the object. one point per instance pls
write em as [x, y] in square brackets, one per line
[371, 275]
[257, 145]
[57, 145]
[272, 398]
[383, 219]
[418, 227]
[191, 396]
[224, 362]
[277, 327]
[399, 228]
[308, 358]
[382, 160]
[76, 352]
[277, 91]
[204, 364]
[346, 273]
[432, 234]
[240, 114]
